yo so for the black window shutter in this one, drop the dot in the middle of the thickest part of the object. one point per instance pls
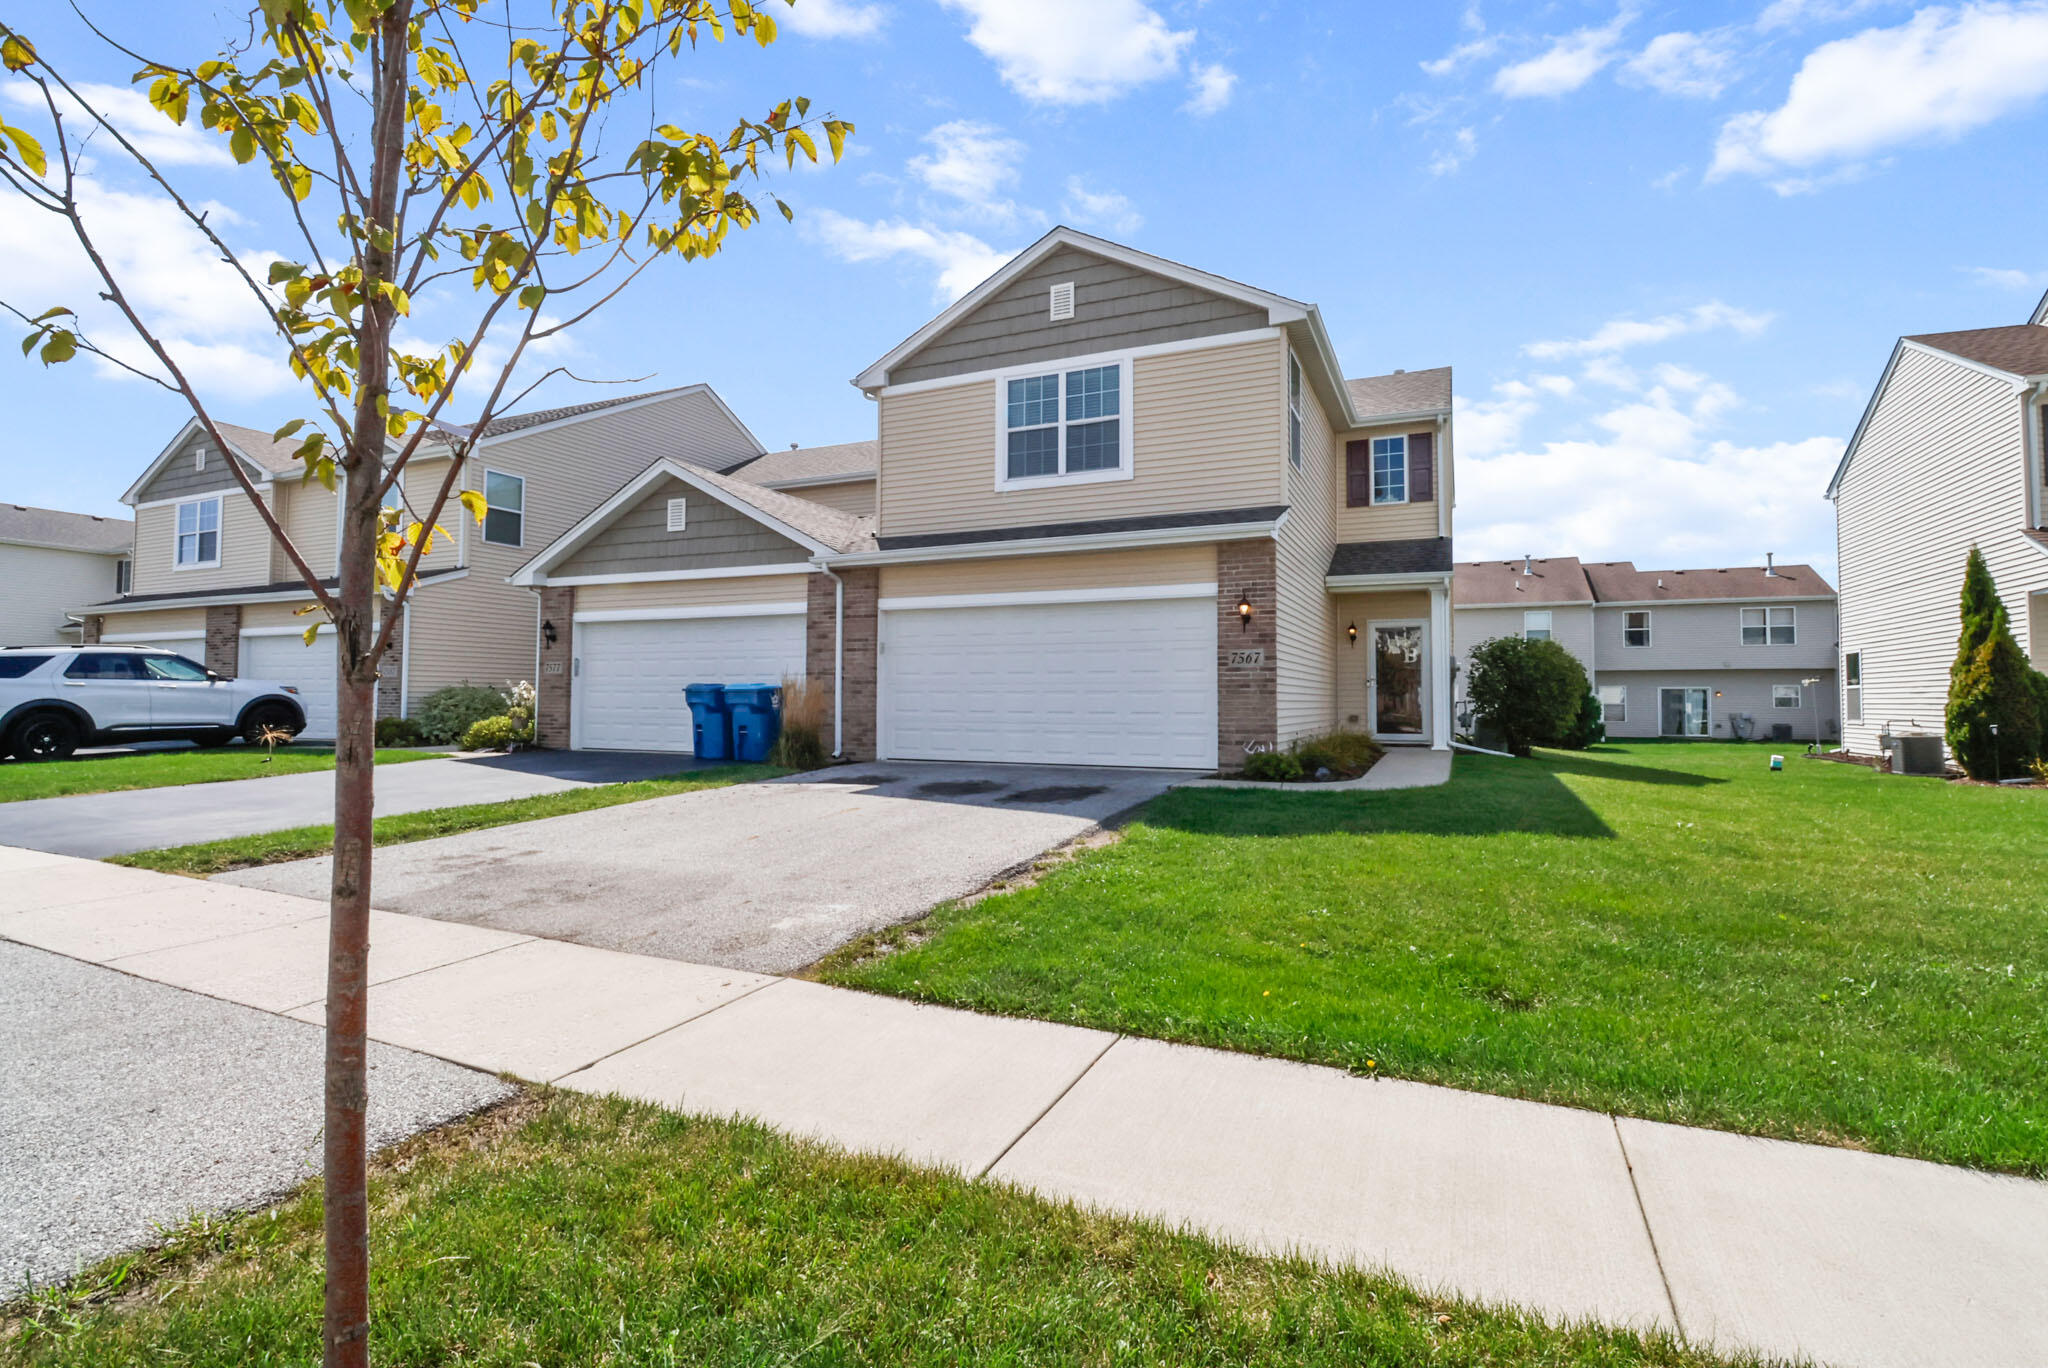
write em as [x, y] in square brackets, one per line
[1421, 466]
[1357, 474]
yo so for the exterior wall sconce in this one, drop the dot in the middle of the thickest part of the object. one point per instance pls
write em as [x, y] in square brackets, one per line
[547, 632]
[1244, 614]
[1352, 632]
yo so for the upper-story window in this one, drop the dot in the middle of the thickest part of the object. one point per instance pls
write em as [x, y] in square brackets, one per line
[1293, 411]
[504, 509]
[1067, 424]
[198, 534]
[123, 576]
[1389, 470]
[1635, 627]
[1768, 627]
[1536, 625]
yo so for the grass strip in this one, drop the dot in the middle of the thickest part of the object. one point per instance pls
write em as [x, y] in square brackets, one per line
[24, 780]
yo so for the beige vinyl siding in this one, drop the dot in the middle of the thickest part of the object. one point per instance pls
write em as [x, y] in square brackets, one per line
[1571, 626]
[157, 622]
[244, 549]
[1694, 636]
[1207, 432]
[281, 615]
[43, 586]
[1390, 522]
[310, 516]
[1728, 692]
[1940, 467]
[850, 496]
[1017, 574]
[1364, 609]
[1305, 633]
[595, 598]
[485, 637]
[422, 483]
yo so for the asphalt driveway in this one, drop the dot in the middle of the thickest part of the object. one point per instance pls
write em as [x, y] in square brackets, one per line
[767, 877]
[96, 825]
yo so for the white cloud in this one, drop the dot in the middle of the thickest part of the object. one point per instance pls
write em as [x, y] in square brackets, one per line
[2006, 278]
[1100, 208]
[1800, 13]
[833, 18]
[1481, 44]
[1464, 143]
[1681, 64]
[1074, 51]
[1212, 84]
[154, 135]
[1619, 334]
[1568, 63]
[963, 260]
[974, 164]
[1937, 76]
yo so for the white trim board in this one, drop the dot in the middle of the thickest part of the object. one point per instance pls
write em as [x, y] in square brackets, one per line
[326, 629]
[709, 610]
[1133, 593]
[1429, 579]
[668, 576]
[1081, 362]
[1094, 541]
[120, 638]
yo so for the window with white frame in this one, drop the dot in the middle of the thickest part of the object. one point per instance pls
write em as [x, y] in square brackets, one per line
[1635, 627]
[504, 509]
[1852, 686]
[1614, 702]
[1768, 627]
[198, 533]
[1389, 470]
[1785, 696]
[1066, 423]
[1536, 625]
[1293, 411]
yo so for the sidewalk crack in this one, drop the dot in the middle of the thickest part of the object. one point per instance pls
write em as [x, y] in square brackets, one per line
[1046, 1110]
[1644, 1212]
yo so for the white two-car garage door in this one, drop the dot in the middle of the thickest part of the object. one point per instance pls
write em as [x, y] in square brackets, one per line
[628, 693]
[1124, 682]
[284, 657]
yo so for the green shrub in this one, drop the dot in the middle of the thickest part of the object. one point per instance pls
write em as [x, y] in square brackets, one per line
[1994, 717]
[496, 733]
[1528, 691]
[1273, 767]
[397, 731]
[2037, 683]
[1589, 728]
[1346, 754]
[447, 713]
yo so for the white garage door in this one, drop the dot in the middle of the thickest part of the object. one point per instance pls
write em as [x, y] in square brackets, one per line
[630, 675]
[1115, 683]
[287, 659]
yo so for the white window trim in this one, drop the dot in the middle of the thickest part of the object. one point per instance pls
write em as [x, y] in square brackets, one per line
[1852, 688]
[1798, 696]
[1296, 427]
[1649, 632]
[483, 530]
[1372, 488]
[1549, 628]
[1126, 464]
[1766, 609]
[220, 518]
[1622, 702]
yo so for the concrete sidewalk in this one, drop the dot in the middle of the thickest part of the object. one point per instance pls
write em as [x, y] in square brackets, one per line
[1732, 1242]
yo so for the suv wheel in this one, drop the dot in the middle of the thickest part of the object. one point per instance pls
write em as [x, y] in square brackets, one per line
[270, 717]
[213, 740]
[46, 736]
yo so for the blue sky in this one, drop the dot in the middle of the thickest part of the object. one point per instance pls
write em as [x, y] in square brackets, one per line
[1667, 247]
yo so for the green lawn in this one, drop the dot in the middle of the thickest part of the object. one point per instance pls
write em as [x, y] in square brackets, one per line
[162, 769]
[574, 1231]
[208, 858]
[1669, 931]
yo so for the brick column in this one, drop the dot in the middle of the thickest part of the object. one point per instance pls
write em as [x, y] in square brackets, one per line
[224, 639]
[89, 630]
[1247, 695]
[557, 668]
[857, 732]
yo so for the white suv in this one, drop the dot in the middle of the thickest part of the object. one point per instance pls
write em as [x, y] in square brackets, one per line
[54, 699]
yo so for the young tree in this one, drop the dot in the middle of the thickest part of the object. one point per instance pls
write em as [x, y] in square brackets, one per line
[1528, 691]
[1994, 715]
[416, 146]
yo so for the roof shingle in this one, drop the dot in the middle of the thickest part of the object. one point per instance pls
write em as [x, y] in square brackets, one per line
[2018, 349]
[1410, 556]
[1416, 391]
[847, 460]
[841, 531]
[1621, 582]
[1560, 579]
[65, 531]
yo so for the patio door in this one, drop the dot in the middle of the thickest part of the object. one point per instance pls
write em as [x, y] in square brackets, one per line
[1682, 712]
[1397, 671]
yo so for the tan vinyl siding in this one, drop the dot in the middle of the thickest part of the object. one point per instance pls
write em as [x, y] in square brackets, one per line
[422, 483]
[715, 534]
[244, 550]
[1207, 432]
[1363, 609]
[157, 622]
[851, 496]
[1305, 634]
[1390, 522]
[593, 598]
[1940, 467]
[43, 586]
[1017, 574]
[486, 636]
[280, 615]
[309, 514]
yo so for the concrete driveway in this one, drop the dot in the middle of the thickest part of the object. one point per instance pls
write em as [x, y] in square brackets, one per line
[96, 825]
[766, 877]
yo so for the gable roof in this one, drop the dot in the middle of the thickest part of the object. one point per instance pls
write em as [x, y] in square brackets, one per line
[255, 448]
[510, 424]
[22, 525]
[1621, 582]
[1558, 579]
[813, 465]
[1416, 392]
[2018, 349]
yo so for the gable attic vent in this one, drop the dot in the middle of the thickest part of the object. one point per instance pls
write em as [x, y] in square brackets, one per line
[1063, 301]
[675, 514]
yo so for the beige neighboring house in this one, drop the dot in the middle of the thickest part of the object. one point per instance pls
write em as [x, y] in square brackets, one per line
[1126, 512]
[210, 581]
[840, 476]
[1699, 654]
[50, 562]
[1948, 455]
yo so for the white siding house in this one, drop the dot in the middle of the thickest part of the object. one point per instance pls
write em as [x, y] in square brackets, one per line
[50, 562]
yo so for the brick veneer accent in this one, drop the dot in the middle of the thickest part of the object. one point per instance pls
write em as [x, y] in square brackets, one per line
[89, 630]
[1247, 696]
[224, 639]
[863, 587]
[556, 685]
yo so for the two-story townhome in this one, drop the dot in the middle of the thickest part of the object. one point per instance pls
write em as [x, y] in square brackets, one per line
[1126, 512]
[1715, 653]
[1948, 455]
[211, 582]
[50, 562]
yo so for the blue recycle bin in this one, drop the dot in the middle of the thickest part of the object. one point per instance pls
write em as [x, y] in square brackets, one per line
[709, 706]
[756, 720]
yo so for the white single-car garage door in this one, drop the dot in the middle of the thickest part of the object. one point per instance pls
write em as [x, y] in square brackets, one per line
[285, 658]
[1127, 682]
[630, 675]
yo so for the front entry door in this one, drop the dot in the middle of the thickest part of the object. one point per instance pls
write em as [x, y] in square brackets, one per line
[1395, 681]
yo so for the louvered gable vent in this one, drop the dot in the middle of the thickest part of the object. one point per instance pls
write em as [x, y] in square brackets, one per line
[675, 514]
[1063, 301]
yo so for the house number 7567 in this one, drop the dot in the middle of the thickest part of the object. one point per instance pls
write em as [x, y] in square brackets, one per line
[1254, 656]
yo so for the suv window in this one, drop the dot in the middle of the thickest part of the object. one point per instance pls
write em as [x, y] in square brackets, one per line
[174, 667]
[104, 667]
[15, 666]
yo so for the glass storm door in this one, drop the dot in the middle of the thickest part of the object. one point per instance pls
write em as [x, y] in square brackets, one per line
[1396, 681]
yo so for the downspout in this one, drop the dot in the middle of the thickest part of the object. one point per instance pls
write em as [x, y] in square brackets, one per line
[838, 660]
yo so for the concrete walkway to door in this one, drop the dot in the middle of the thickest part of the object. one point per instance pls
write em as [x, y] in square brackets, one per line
[1730, 1242]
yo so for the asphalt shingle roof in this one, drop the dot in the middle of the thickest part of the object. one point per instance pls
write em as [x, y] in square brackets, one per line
[1409, 556]
[1560, 579]
[1413, 391]
[852, 460]
[1621, 582]
[838, 530]
[67, 531]
[2019, 349]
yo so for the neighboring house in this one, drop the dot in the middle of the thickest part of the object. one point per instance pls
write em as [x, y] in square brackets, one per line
[50, 563]
[211, 582]
[1126, 512]
[841, 476]
[1948, 455]
[1681, 653]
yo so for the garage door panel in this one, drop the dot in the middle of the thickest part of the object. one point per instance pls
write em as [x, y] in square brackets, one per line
[286, 659]
[1113, 683]
[629, 685]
